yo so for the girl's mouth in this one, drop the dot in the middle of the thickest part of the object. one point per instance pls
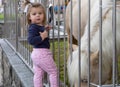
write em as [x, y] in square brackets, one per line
[38, 19]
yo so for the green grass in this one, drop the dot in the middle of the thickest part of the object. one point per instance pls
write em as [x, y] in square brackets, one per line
[59, 54]
[1, 16]
[119, 70]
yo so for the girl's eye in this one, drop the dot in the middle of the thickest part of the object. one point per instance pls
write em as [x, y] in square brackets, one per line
[40, 13]
[34, 14]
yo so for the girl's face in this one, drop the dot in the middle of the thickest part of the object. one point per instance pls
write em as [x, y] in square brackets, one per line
[37, 15]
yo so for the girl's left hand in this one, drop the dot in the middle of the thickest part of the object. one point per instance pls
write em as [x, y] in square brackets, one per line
[48, 27]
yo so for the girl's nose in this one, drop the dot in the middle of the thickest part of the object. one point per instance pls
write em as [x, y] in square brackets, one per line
[38, 14]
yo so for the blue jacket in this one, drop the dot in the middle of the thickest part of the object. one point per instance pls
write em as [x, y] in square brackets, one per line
[34, 37]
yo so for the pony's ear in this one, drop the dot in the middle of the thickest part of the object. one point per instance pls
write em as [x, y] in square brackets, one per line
[74, 47]
[94, 58]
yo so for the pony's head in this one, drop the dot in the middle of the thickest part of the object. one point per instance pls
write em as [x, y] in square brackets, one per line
[83, 63]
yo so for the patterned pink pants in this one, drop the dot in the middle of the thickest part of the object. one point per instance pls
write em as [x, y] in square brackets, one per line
[43, 62]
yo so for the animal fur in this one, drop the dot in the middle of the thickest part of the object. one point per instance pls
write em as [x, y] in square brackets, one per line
[107, 41]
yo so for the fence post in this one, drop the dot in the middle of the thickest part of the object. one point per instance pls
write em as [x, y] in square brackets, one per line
[45, 3]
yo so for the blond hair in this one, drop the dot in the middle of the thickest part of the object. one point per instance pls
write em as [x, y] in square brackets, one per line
[35, 5]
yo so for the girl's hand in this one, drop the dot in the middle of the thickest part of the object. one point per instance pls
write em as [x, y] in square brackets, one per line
[48, 27]
[44, 34]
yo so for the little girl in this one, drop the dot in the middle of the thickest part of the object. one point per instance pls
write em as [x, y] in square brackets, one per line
[38, 37]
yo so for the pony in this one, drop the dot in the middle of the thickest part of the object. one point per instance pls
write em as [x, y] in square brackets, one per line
[107, 41]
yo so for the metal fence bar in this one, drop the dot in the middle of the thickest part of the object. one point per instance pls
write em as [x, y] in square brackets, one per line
[65, 53]
[100, 43]
[71, 29]
[79, 42]
[16, 23]
[114, 42]
[89, 43]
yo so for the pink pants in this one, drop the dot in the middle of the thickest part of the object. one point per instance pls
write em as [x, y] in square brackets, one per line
[43, 62]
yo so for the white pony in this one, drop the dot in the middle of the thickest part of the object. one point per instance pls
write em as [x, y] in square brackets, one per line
[107, 41]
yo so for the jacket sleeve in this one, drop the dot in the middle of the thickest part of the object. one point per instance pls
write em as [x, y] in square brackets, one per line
[33, 39]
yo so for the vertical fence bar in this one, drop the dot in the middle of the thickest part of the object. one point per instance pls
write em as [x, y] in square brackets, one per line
[58, 27]
[89, 7]
[114, 41]
[71, 30]
[64, 48]
[79, 43]
[53, 39]
[4, 2]
[100, 43]
[16, 23]
[46, 81]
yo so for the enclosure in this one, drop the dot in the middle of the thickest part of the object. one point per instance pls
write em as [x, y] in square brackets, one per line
[84, 39]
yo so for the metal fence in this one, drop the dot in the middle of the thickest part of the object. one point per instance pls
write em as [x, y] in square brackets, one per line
[90, 55]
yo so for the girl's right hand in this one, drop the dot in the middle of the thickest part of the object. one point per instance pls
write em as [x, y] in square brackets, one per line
[48, 27]
[44, 34]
